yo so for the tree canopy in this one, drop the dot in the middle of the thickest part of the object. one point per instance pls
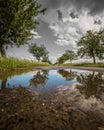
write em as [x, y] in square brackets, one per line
[17, 20]
[91, 45]
[68, 55]
[40, 52]
[71, 55]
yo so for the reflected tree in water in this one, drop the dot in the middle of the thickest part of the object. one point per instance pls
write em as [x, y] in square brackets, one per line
[68, 75]
[3, 83]
[40, 78]
[5, 75]
[92, 84]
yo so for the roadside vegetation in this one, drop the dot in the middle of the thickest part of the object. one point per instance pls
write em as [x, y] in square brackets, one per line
[13, 63]
[91, 45]
[18, 27]
[85, 64]
[68, 55]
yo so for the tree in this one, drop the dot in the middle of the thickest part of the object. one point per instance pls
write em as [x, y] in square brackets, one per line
[91, 45]
[46, 59]
[71, 55]
[40, 52]
[17, 21]
[62, 59]
[68, 55]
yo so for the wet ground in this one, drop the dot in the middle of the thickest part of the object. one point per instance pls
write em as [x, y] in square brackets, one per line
[77, 105]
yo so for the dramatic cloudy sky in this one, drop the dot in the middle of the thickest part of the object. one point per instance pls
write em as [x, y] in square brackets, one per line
[63, 24]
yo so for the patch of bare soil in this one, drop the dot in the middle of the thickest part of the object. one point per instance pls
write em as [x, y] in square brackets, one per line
[21, 109]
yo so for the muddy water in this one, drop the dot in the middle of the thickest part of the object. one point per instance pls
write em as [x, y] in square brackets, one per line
[52, 100]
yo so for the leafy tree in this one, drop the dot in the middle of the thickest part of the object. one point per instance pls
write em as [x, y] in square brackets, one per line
[91, 45]
[17, 21]
[71, 55]
[46, 59]
[68, 55]
[62, 59]
[40, 52]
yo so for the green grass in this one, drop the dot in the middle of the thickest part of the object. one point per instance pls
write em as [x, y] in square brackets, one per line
[85, 64]
[13, 63]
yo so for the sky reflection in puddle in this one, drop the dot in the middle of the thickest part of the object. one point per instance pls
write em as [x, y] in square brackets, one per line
[91, 83]
[73, 98]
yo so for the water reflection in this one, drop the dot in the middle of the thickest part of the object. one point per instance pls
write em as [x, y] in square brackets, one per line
[4, 76]
[3, 83]
[21, 109]
[92, 84]
[68, 75]
[36, 79]
[76, 104]
[40, 78]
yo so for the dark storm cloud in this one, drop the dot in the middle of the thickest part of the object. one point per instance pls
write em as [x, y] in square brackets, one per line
[95, 6]
[73, 15]
[60, 16]
[97, 21]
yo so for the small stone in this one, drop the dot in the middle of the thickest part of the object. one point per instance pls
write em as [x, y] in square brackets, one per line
[43, 104]
[22, 110]
[14, 97]
[57, 116]
[16, 114]
[100, 128]
[7, 104]
[2, 110]
[33, 99]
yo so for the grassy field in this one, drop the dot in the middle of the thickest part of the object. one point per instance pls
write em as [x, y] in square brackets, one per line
[12, 63]
[85, 64]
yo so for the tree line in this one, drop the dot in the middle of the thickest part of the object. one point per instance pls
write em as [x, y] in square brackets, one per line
[90, 45]
[18, 21]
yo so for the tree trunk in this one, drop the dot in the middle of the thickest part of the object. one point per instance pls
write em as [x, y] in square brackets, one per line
[3, 84]
[94, 59]
[38, 59]
[2, 50]
[70, 61]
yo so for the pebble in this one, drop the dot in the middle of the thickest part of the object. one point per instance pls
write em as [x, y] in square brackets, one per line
[43, 104]
[2, 110]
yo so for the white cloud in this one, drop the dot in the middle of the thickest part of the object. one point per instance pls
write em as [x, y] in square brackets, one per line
[53, 59]
[69, 30]
[62, 42]
[35, 35]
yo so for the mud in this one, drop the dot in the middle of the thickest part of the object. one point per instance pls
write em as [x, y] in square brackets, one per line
[63, 109]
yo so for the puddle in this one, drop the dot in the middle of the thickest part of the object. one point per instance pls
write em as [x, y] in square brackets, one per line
[64, 99]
